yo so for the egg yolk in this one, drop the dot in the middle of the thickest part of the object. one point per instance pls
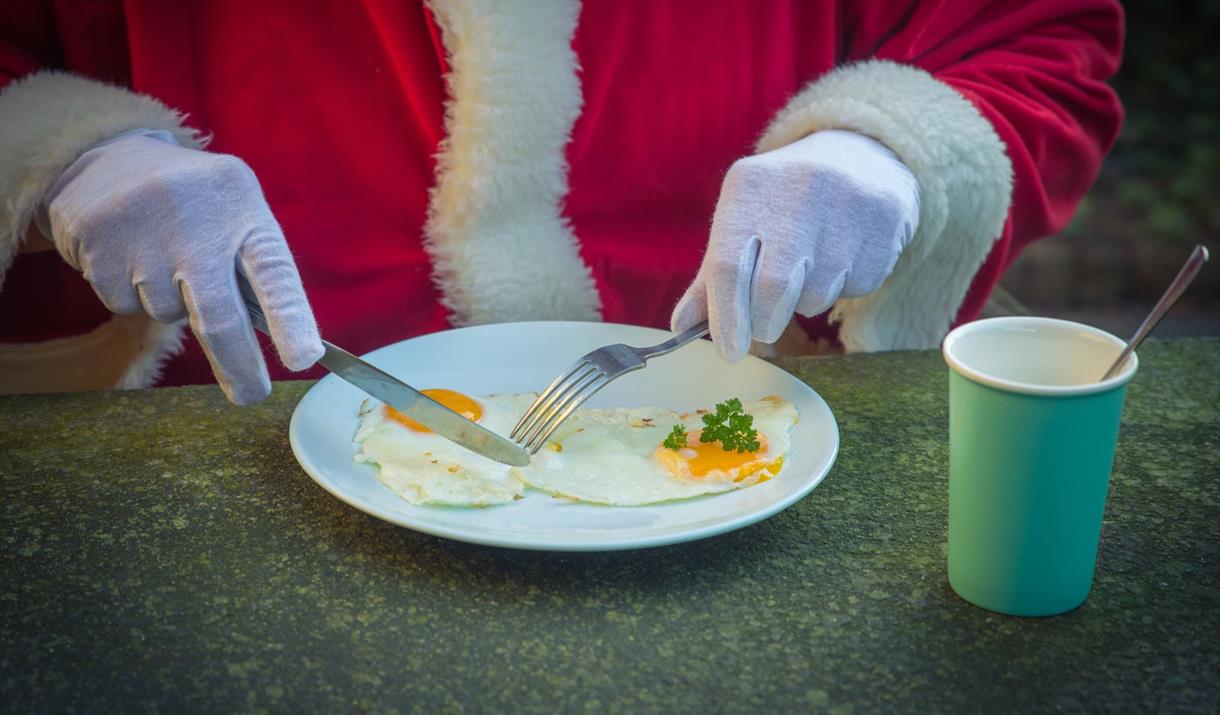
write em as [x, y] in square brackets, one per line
[703, 458]
[456, 401]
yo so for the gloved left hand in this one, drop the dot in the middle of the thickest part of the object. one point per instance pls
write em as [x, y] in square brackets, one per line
[796, 229]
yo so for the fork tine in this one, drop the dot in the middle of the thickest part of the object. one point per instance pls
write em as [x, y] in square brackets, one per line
[558, 416]
[561, 400]
[548, 396]
[583, 379]
[537, 411]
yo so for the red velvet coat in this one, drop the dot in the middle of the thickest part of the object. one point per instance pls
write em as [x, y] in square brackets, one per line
[339, 107]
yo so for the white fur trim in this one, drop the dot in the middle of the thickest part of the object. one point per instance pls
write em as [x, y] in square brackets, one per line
[161, 341]
[49, 119]
[500, 247]
[965, 183]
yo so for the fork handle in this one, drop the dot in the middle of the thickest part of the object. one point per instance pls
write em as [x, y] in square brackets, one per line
[692, 333]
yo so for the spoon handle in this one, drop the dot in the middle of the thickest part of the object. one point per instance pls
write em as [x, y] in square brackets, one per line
[1189, 269]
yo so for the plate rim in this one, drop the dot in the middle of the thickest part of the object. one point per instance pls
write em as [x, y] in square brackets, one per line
[539, 542]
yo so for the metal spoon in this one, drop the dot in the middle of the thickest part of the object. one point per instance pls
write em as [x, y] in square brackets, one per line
[1189, 270]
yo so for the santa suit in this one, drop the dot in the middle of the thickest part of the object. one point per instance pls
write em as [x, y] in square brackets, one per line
[467, 161]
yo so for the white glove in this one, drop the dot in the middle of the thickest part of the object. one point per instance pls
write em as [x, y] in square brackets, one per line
[795, 230]
[161, 229]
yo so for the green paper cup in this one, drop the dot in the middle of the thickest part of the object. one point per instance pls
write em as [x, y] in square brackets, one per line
[1032, 433]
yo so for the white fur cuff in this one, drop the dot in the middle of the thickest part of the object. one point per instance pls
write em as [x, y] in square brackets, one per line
[965, 182]
[49, 118]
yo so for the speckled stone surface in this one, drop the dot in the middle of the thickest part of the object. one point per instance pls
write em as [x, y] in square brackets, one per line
[163, 552]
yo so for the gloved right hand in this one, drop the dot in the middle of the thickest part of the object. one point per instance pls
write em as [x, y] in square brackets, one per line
[797, 228]
[161, 229]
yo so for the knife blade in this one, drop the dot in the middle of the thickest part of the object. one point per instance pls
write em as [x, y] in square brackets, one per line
[401, 396]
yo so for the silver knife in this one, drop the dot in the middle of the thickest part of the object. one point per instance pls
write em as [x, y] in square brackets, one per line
[403, 397]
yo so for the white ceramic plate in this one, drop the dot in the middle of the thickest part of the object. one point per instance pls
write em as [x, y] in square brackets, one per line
[525, 357]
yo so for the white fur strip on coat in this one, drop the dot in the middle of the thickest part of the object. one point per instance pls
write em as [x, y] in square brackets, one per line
[501, 248]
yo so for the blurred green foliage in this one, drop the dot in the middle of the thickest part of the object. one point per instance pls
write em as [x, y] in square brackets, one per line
[1163, 175]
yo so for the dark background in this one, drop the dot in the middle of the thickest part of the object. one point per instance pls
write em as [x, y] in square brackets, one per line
[1158, 194]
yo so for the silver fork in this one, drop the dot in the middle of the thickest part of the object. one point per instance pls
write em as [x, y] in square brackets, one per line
[583, 379]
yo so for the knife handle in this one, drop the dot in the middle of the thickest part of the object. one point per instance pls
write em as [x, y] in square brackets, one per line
[257, 319]
[328, 360]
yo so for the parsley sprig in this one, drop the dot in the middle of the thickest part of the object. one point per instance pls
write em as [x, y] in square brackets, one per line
[677, 438]
[729, 425]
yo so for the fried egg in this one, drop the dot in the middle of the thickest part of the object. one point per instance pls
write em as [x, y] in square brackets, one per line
[612, 457]
[616, 457]
[425, 468]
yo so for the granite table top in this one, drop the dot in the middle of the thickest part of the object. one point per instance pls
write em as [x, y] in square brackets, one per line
[163, 552]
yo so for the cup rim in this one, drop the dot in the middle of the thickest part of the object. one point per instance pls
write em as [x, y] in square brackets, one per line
[957, 334]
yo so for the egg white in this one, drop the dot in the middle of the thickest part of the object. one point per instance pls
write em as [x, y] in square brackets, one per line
[425, 468]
